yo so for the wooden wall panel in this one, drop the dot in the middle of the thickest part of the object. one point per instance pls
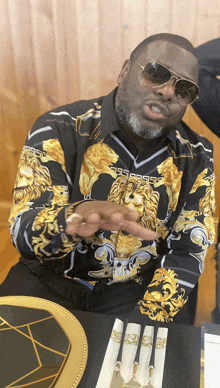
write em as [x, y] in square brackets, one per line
[54, 52]
[112, 55]
[134, 25]
[207, 21]
[24, 61]
[183, 19]
[10, 114]
[158, 17]
[88, 42]
[42, 17]
[66, 47]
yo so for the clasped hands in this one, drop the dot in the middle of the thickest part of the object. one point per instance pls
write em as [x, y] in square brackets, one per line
[90, 216]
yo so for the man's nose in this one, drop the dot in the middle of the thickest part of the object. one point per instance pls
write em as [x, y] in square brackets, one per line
[167, 91]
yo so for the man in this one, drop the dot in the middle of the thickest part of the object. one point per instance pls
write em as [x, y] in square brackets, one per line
[114, 197]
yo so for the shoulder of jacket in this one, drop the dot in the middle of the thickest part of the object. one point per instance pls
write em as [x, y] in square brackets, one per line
[191, 136]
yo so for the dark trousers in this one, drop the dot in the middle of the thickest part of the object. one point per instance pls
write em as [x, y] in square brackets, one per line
[118, 299]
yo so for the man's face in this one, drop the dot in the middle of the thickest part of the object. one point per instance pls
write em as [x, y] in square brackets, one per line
[148, 111]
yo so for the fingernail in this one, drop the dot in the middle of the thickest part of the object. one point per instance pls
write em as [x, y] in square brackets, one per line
[72, 216]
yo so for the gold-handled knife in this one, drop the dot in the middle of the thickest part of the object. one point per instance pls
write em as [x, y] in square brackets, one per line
[152, 358]
[117, 380]
[133, 383]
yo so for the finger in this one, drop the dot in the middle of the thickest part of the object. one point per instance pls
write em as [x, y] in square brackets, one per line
[93, 218]
[74, 218]
[138, 230]
[84, 230]
[116, 217]
[129, 214]
[132, 215]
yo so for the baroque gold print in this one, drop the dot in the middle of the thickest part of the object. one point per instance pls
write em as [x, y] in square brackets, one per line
[128, 257]
[105, 253]
[60, 195]
[121, 268]
[138, 195]
[125, 244]
[46, 220]
[200, 181]
[163, 306]
[161, 229]
[93, 114]
[147, 341]
[106, 272]
[116, 336]
[187, 222]
[97, 160]
[188, 146]
[171, 179]
[54, 152]
[33, 179]
[207, 208]
[187, 219]
[131, 339]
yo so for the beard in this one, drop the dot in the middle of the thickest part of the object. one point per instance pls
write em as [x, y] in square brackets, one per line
[143, 131]
[128, 118]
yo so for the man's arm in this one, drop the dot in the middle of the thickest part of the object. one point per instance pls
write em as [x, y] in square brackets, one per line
[41, 195]
[187, 243]
[41, 201]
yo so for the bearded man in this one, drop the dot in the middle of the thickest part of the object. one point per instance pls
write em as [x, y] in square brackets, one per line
[129, 236]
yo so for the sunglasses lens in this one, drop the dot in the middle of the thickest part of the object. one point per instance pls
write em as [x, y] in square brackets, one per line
[186, 91]
[156, 73]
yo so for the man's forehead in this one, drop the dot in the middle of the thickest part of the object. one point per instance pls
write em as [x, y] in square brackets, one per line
[173, 56]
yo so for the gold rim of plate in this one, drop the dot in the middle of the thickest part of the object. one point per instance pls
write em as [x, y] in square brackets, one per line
[75, 364]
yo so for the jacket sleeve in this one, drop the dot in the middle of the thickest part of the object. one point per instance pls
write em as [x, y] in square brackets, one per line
[184, 250]
[41, 196]
[207, 105]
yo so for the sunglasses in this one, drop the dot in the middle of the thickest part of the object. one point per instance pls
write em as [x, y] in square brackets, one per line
[159, 75]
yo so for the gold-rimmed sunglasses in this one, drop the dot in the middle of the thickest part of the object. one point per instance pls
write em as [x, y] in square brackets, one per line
[159, 75]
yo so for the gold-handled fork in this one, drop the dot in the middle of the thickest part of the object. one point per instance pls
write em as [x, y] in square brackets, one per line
[151, 366]
[117, 380]
[133, 383]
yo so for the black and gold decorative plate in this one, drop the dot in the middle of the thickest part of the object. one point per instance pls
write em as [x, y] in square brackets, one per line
[42, 345]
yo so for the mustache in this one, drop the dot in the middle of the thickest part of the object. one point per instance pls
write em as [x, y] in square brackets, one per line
[127, 118]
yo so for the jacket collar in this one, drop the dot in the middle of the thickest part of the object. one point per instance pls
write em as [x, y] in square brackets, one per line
[109, 121]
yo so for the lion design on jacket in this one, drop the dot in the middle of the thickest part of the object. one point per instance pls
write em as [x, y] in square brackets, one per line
[171, 179]
[32, 180]
[129, 254]
[97, 160]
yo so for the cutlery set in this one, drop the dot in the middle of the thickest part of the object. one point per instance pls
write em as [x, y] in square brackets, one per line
[117, 380]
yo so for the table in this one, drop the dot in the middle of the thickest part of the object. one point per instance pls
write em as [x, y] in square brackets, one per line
[182, 362]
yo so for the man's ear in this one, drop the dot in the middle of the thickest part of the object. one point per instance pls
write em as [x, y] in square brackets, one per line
[124, 71]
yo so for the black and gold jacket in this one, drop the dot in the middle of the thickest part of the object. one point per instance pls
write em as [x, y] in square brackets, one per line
[79, 152]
